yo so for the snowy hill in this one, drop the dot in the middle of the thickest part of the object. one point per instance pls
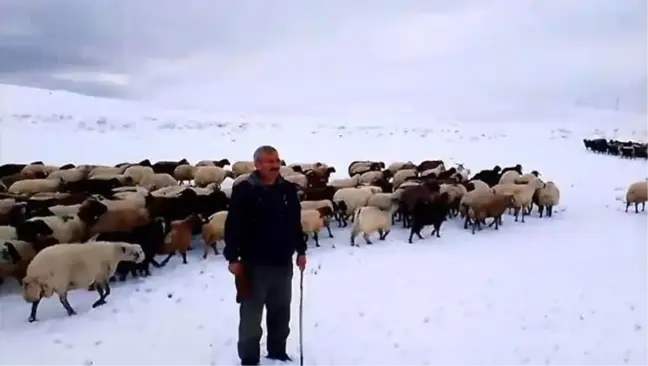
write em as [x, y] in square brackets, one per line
[564, 290]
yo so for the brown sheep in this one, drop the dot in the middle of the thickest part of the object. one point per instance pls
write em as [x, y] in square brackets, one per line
[180, 237]
[118, 218]
[493, 206]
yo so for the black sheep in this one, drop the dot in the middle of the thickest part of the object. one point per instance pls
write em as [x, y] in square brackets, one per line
[429, 213]
[167, 167]
[102, 187]
[150, 237]
[490, 177]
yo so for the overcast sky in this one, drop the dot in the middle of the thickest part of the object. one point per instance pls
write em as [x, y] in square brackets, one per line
[292, 53]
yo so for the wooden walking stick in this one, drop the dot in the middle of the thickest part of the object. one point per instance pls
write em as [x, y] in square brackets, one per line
[301, 317]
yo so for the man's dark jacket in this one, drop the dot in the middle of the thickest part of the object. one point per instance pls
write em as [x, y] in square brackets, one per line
[263, 225]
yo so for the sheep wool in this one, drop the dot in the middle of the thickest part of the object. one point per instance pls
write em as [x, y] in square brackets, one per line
[298, 179]
[509, 177]
[243, 167]
[205, 175]
[69, 175]
[213, 231]
[346, 182]
[368, 220]
[157, 181]
[401, 175]
[64, 267]
[8, 232]
[105, 171]
[185, 172]
[138, 172]
[548, 197]
[32, 186]
[637, 193]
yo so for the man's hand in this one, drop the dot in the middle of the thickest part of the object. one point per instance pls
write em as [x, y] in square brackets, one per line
[301, 262]
[235, 268]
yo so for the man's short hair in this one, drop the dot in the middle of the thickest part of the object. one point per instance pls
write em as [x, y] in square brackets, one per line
[262, 150]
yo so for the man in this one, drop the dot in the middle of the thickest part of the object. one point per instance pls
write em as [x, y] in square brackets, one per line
[262, 232]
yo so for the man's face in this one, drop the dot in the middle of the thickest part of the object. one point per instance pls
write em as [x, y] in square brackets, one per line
[268, 165]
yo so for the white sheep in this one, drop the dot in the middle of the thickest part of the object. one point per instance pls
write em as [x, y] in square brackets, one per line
[206, 190]
[367, 220]
[206, 163]
[69, 175]
[138, 172]
[157, 181]
[637, 193]
[400, 165]
[436, 171]
[170, 191]
[347, 200]
[240, 178]
[8, 232]
[286, 171]
[383, 201]
[476, 195]
[548, 197]
[64, 229]
[370, 177]
[37, 171]
[523, 197]
[298, 179]
[185, 172]
[64, 267]
[106, 171]
[15, 255]
[526, 178]
[32, 186]
[510, 176]
[205, 175]
[65, 210]
[213, 231]
[401, 176]
[346, 182]
[243, 167]
[479, 184]
[312, 221]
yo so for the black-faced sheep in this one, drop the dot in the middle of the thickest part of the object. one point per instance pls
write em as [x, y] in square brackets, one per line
[429, 213]
[64, 267]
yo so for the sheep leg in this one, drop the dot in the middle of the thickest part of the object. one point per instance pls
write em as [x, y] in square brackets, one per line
[466, 222]
[122, 276]
[215, 247]
[643, 206]
[541, 211]
[636, 207]
[66, 304]
[549, 211]
[328, 228]
[134, 272]
[523, 213]
[385, 234]
[34, 309]
[166, 260]
[437, 230]
[155, 263]
[184, 257]
[366, 238]
[517, 212]
[104, 291]
[316, 238]
[627, 205]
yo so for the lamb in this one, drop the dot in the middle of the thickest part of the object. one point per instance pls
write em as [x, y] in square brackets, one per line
[15, 256]
[138, 172]
[347, 200]
[179, 238]
[313, 220]
[547, 197]
[32, 186]
[64, 267]
[213, 230]
[637, 193]
[184, 172]
[243, 167]
[205, 175]
[157, 181]
[429, 213]
[346, 182]
[367, 220]
[489, 206]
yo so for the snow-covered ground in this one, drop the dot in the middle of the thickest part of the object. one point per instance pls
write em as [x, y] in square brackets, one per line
[571, 289]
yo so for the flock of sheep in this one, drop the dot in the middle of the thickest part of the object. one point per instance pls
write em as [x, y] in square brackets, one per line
[624, 149]
[77, 226]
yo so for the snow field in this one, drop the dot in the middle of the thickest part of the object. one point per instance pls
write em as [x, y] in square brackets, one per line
[564, 290]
